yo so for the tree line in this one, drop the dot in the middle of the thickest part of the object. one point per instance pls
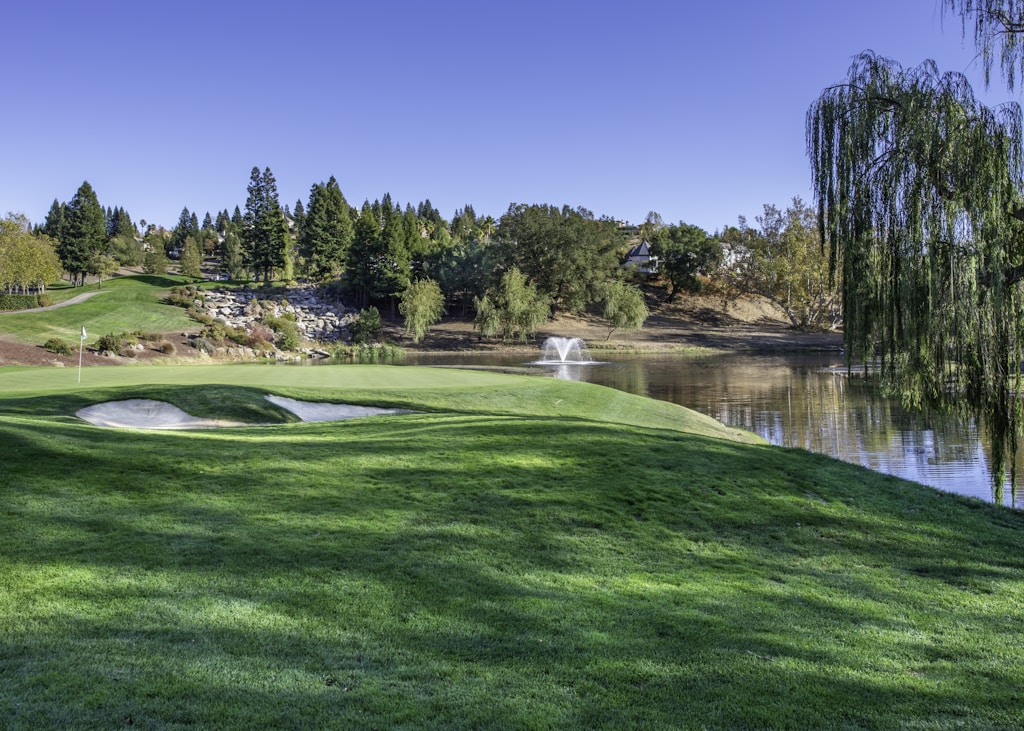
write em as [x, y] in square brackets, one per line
[510, 274]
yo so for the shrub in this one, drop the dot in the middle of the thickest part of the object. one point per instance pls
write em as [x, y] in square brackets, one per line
[183, 296]
[110, 342]
[215, 331]
[203, 345]
[44, 300]
[58, 346]
[287, 332]
[18, 301]
[168, 348]
[115, 342]
[368, 327]
[201, 316]
[260, 337]
[369, 353]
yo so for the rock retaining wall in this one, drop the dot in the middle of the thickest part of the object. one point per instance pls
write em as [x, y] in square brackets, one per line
[316, 318]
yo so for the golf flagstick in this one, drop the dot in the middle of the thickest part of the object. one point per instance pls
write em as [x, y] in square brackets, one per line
[81, 347]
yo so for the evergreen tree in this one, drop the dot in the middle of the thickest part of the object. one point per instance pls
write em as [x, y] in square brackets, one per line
[232, 261]
[393, 266]
[122, 226]
[55, 225]
[327, 232]
[299, 217]
[181, 232]
[265, 234]
[85, 234]
[207, 222]
[363, 254]
[155, 261]
[191, 262]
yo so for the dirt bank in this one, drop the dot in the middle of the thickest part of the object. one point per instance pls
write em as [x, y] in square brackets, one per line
[695, 321]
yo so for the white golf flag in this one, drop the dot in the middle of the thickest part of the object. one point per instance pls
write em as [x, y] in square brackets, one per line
[83, 332]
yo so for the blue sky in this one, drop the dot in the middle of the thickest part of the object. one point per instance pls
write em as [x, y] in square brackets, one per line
[691, 109]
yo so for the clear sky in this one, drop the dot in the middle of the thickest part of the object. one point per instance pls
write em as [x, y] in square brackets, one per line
[691, 109]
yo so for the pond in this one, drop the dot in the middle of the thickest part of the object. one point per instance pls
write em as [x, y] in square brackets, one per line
[804, 401]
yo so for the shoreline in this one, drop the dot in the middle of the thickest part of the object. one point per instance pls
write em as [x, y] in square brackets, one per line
[695, 323]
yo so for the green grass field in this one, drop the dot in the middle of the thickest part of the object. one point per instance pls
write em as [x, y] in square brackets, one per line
[520, 553]
[125, 304]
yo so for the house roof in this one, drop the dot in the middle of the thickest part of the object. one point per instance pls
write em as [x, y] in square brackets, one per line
[640, 251]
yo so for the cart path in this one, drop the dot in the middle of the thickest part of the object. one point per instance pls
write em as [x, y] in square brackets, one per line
[66, 303]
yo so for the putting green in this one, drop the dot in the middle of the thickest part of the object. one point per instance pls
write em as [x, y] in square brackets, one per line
[22, 381]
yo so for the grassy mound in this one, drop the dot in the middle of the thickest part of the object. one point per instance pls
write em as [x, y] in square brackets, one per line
[126, 304]
[523, 553]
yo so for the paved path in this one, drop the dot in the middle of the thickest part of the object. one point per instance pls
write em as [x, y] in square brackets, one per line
[73, 301]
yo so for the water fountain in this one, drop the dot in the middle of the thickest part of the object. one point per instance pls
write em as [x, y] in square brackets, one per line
[564, 351]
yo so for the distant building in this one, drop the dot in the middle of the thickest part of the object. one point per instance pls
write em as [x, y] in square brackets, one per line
[640, 258]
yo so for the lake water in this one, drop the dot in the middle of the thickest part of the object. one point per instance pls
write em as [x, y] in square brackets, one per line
[804, 401]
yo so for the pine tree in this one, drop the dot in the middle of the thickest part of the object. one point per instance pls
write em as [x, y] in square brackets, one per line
[85, 234]
[265, 233]
[191, 262]
[122, 225]
[362, 256]
[327, 232]
[232, 261]
[55, 225]
[181, 232]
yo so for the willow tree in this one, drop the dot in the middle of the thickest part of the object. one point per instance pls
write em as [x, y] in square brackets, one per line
[998, 30]
[918, 187]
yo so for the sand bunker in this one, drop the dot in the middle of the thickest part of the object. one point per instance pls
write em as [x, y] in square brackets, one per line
[313, 411]
[147, 414]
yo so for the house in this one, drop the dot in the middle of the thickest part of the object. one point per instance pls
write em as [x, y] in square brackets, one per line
[640, 257]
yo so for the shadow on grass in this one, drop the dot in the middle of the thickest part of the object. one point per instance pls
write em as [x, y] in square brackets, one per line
[487, 571]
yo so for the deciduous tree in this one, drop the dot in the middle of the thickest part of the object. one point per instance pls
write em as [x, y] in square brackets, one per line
[918, 186]
[422, 305]
[684, 252]
[783, 261]
[566, 253]
[27, 262]
[624, 306]
[512, 309]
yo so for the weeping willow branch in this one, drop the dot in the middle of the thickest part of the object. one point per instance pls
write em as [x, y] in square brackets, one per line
[997, 27]
[918, 187]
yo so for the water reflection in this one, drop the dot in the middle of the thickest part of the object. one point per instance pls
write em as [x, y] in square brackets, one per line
[796, 401]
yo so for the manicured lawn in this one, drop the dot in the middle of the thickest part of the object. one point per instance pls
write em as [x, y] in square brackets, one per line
[126, 304]
[522, 553]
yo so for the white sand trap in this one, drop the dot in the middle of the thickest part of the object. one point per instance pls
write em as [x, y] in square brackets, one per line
[146, 414]
[312, 411]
